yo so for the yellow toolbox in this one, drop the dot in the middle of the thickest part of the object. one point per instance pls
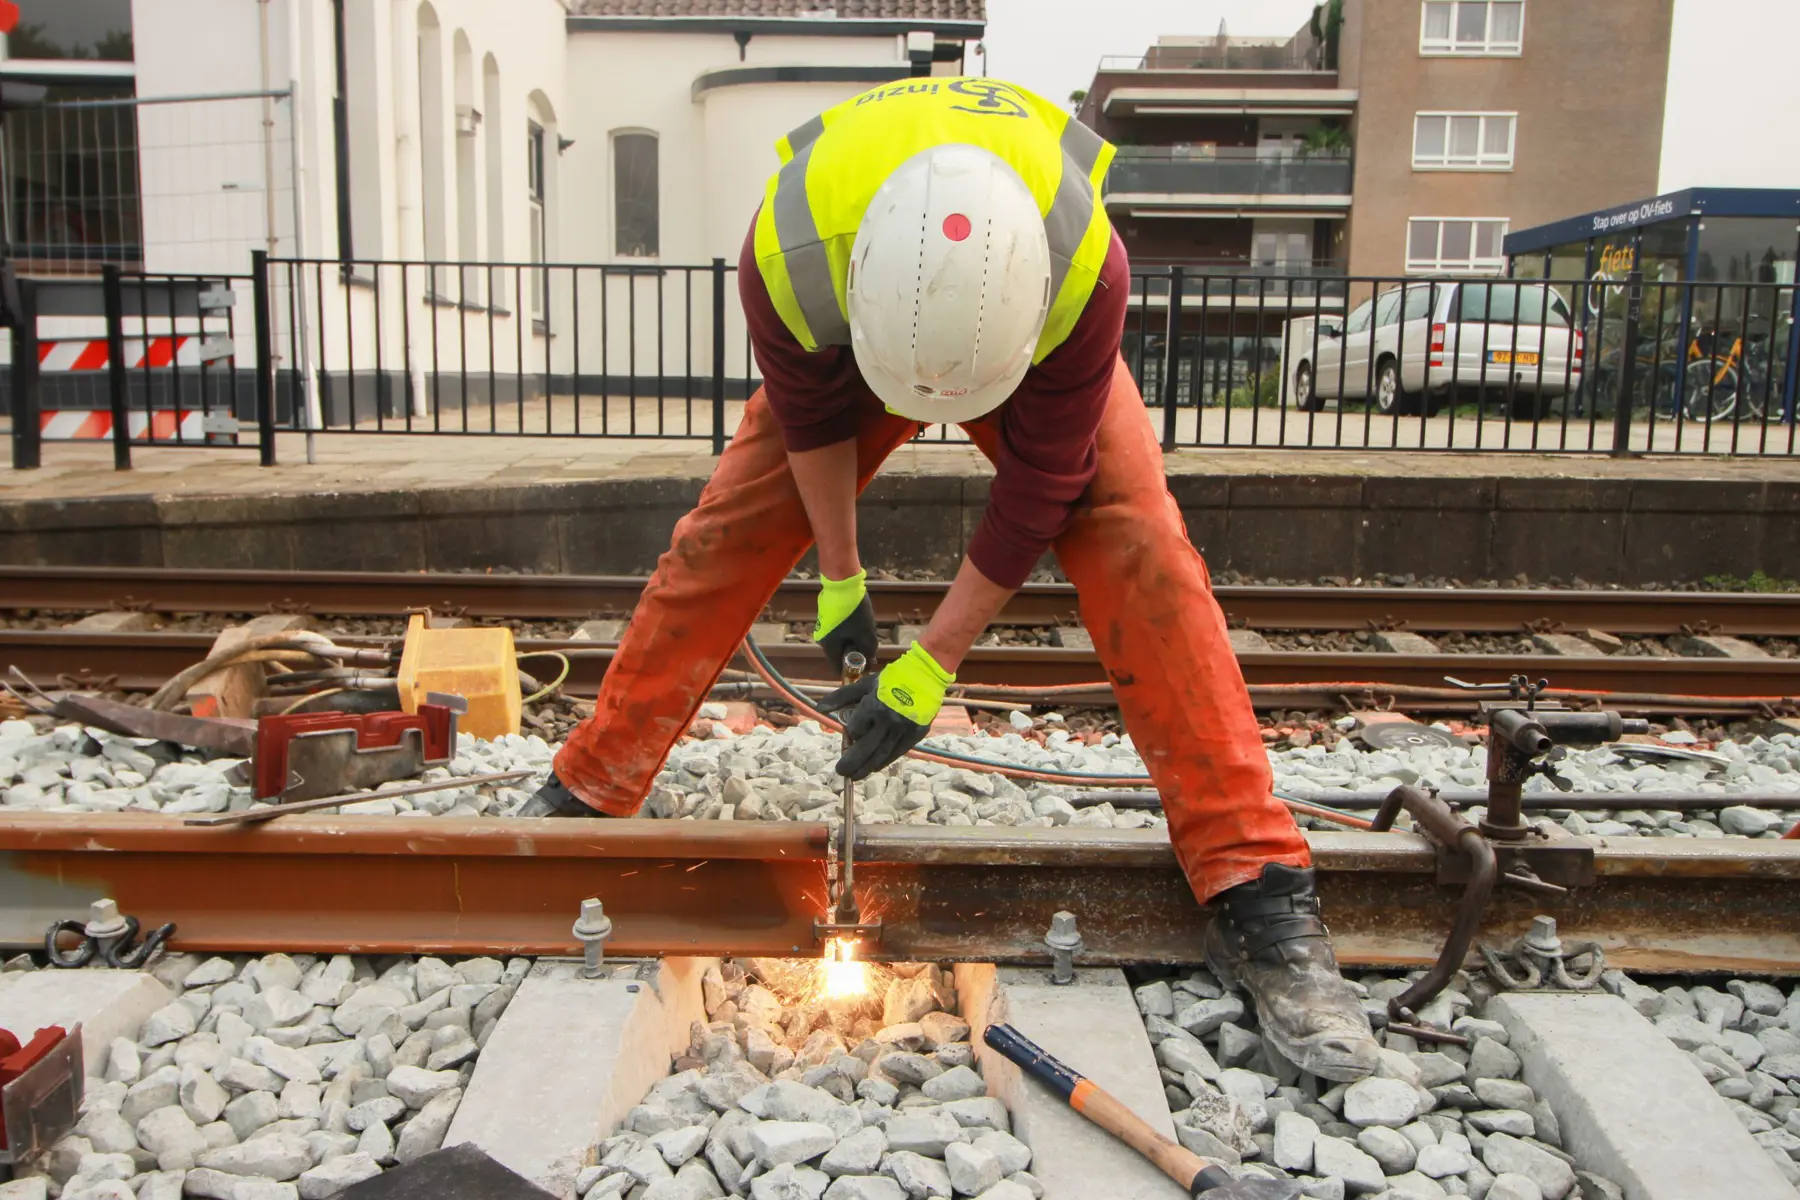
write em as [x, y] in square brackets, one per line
[478, 664]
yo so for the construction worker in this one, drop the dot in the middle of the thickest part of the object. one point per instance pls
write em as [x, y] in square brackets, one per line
[933, 252]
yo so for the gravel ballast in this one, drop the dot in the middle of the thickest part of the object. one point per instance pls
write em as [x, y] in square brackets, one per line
[282, 1077]
[786, 1093]
[786, 774]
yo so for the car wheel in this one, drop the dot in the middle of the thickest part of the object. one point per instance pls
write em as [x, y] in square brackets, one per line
[1305, 398]
[1389, 398]
[1528, 407]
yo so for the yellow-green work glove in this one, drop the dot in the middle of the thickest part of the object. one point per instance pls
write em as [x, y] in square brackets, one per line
[893, 711]
[846, 620]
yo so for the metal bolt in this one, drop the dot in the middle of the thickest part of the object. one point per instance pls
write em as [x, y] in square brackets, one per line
[1542, 939]
[1064, 942]
[104, 922]
[592, 929]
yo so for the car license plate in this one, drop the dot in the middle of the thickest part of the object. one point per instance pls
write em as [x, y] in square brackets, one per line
[1521, 358]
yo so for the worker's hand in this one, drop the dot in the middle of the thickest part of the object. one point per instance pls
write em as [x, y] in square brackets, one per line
[893, 711]
[846, 620]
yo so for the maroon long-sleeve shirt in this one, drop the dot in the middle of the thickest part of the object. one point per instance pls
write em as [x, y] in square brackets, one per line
[1047, 455]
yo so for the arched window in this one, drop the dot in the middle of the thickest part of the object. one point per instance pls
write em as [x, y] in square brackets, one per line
[540, 168]
[431, 138]
[468, 211]
[494, 154]
[636, 228]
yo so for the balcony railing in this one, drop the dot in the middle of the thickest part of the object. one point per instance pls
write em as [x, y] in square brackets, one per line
[1235, 171]
[1222, 279]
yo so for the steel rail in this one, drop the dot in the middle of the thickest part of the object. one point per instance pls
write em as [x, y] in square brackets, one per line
[424, 884]
[372, 593]
[1287, 679]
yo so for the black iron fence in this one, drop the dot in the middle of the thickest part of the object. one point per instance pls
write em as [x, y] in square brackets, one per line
[1303, 357]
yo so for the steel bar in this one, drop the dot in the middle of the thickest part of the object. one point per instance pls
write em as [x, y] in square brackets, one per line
[1536, 802]
[374, 593]
[423, 884]
[144, 661]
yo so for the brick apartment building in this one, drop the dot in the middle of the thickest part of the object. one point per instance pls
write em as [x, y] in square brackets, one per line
[1386, 137]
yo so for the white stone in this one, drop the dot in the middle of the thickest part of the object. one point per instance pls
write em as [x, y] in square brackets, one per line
[379, 1111]
[920, 1176]
[1502, 1153]
[1294, 1137]
[107, 1132]
[200, 1094]
[123, 1063]
[274, 1156]
[971, 1171]
[287, 1063]
[364, 1003]
[958, 1083]
[329, 1178]
[1440, 1161]
[32, 1187]
[251, 1112]
[777, 1142]
[159, 1089]
[1012, 1154]
[859, 1187]
[222, 1185]
[425, 1132]
[377, 1141]
[922, 1131]
[679, 1145]
[417, 1086]
[1510, 1186]
[1340, 1159]
[858, 1154]
[171, 1135]
[1380, 1102]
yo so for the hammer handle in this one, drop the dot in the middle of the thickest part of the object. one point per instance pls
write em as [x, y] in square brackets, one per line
[1105, 1110]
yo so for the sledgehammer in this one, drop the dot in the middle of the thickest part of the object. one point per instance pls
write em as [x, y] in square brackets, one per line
[1185, 1167]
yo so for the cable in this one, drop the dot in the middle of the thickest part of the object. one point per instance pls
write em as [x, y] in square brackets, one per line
[310, 696]
[553, 684]
[991, 766]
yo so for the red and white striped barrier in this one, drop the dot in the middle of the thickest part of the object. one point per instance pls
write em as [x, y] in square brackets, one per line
[90, 354]
[164, 425]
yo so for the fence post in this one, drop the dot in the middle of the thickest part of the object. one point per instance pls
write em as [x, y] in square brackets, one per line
[1171, 368]
[1634, 311]
[112, 291]
[27, 436]
[718, 356]
[265, 356]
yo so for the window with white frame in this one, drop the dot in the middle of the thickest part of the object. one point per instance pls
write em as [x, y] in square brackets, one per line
[1463, 141]
[1455, 245]
[534, 184]
[1494, 27]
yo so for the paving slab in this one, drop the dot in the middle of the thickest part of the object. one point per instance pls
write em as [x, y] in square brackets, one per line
[1094, 1026]
[568, 1059]
[106, 1004]
[1631, 1106]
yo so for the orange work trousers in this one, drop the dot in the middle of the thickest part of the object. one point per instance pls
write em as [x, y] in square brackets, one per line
[1146, 599]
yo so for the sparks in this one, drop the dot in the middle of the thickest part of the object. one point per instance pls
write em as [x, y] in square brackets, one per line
[841, 976]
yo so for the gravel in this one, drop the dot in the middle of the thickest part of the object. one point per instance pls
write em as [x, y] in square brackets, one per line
[786, 774]
[1434, 1121]
[785, 1093]
[281, 1077]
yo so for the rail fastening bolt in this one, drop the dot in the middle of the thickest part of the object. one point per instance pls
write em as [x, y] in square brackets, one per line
[1542, 939]
[592, 929]
[104, 924]
[1064, 942]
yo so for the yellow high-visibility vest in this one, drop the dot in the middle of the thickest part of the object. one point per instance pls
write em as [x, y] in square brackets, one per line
[833, 165]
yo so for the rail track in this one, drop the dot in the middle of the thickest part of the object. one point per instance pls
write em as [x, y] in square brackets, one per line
[437, 885]
[1425, 610]
[1278, 679]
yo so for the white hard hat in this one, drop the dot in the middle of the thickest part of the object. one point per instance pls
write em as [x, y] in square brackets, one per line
[949, 285]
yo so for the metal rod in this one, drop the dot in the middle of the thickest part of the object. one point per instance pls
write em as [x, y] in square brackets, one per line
[250, 816]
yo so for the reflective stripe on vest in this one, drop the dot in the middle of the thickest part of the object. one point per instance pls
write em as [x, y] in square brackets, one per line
[796, 256]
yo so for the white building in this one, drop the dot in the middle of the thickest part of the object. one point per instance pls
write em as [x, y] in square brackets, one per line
[626, 138]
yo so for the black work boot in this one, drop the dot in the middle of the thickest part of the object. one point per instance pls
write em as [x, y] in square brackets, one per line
[1266, 937]
[555, 800]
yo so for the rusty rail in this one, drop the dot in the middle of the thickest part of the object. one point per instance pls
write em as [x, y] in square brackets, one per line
[418, 884]
[1283, 679]
[375, 593]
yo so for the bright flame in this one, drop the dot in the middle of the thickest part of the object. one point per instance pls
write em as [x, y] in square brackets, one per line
[842, 977]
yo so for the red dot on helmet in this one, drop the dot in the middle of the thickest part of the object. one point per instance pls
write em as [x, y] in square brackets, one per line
[956, 227]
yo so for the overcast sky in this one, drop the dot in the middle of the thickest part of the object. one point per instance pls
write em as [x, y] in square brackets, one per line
[1730, 120]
